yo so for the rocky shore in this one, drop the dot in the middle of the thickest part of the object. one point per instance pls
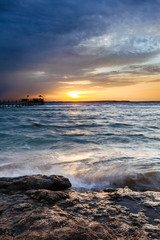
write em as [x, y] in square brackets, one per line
[45, 208]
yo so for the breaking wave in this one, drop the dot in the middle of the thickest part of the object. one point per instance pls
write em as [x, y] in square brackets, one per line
[96, 146]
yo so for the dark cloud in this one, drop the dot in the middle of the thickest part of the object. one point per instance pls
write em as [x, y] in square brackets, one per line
[67, 37]
[146, 69]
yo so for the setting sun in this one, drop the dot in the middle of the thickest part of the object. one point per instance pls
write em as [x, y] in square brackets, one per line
[74, 94]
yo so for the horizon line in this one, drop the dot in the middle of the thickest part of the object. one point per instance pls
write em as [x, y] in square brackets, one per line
[128, 101]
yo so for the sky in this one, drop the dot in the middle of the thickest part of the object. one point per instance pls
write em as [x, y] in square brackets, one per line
[82, 50]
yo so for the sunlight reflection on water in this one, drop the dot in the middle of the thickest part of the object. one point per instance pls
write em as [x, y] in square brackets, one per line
[95, 146]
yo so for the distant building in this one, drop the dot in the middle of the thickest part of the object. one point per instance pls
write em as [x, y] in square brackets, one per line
[34, 101]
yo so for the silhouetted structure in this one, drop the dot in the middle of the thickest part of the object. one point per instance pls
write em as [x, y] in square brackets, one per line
[23, 102]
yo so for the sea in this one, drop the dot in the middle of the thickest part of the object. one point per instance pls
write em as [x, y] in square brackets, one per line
[95, 144]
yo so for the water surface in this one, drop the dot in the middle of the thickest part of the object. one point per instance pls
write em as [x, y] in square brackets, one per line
[95, 145]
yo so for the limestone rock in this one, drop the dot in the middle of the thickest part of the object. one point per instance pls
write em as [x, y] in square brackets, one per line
[44, 214]
[24, 183]
[47, 196]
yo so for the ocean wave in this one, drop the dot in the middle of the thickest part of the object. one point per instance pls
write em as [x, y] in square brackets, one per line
[140, 181]
[148, 181]
[120, 125]
[123, 141]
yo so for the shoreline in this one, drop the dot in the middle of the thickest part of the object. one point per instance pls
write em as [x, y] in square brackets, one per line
[43, 207]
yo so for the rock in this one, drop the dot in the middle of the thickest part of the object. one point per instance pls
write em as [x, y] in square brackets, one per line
[6, 237]
[93, 231]
[24, 183]
[44, 214]
[47, 196]
[110, 190]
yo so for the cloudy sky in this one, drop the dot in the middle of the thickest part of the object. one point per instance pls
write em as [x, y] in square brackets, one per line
[80, 49]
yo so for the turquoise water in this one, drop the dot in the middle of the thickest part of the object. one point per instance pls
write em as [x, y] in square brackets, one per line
[95, 145]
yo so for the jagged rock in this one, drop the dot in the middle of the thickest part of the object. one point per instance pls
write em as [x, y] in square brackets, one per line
[24, 183]
[47, 196]
[109, 190]
[42, 214]
[6, 238]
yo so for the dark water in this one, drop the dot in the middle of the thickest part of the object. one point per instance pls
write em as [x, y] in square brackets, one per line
[95, 145]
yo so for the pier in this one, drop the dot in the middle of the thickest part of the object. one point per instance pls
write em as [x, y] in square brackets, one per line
[22, 102]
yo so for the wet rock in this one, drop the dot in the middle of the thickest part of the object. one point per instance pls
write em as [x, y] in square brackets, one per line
[93, 231]
[24, 183]
[6, 238]
[110, 190]
[44, 214]
[47, 196]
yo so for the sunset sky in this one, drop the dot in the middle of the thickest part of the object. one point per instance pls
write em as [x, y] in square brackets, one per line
[80, 49]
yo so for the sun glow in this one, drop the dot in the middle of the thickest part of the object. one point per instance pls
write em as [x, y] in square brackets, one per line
[74, 95]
